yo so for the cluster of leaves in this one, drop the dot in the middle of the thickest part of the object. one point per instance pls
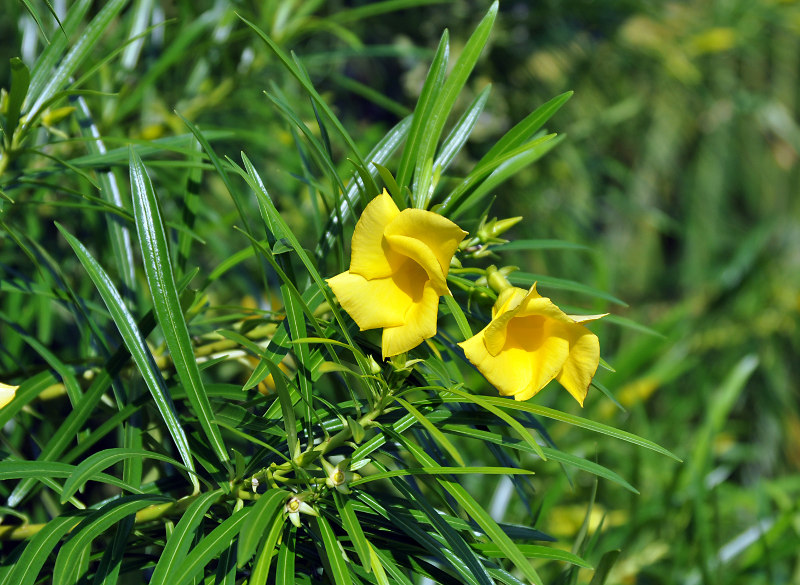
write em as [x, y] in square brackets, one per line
[176, 437]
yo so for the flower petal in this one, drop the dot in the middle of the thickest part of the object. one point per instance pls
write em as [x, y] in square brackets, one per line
[7, 393]
[581, 363]
[370, 255]
[535, 304]
[505, 308]
[438, 233]
[545, 352]
[586, 318]
[528, 361]
[420, 324]
[420, 254]
[371, 303]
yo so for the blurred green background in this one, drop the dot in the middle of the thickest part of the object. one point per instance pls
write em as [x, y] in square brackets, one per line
[679, 174]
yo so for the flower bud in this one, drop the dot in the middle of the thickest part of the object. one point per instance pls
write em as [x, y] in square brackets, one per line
[496, 279]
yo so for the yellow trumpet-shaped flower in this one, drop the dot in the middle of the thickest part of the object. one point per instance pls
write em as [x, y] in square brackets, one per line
[7, 393]
[529, 342]
[398, 269]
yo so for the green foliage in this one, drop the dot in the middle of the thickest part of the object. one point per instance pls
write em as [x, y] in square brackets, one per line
[178, 182]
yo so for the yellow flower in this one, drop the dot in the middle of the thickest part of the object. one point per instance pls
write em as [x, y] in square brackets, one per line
[7, 393]
[529, 342]
[398, 270]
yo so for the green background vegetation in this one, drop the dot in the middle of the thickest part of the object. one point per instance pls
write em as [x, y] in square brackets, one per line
[678, 176]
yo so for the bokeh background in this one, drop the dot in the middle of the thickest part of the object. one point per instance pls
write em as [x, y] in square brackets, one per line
[679, 177]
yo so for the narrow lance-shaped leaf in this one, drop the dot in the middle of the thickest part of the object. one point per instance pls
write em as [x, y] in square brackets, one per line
[300, 75]
[333, 553]
[261, 517]
[90, 467]
[431, 88]
[209, 548]
[20, 80]
[137, 347]
[380, 154]
[33, 558]
[445, 100]
[167, 307]
[66, 571]
[179, 542]
[119, 233]
[476, 511]
[577, 421]
[80, 50]
[52, 54]
[460, 132]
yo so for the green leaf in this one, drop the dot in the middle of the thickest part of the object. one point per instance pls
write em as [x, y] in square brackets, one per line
[539, 245]
[66, 432]
[208, 548]
[303, 79]
[431, 87]
[136, 345]
[90, 467]
[437, 435]
[38, 19]
[456, 198]
[27, 391]
[476, 511]
[384, 559]
[458, 136]
[352, 526]
[578, 422]
[20, 80]
[81, 49]
[375, 8]
[458, 315]
[347, 207]
[287, 406]
[333, 553]
[322, 155]
[182, 537]
[445, 100]
[484, 403]
[284, 573]
[604, 567]
[532, 551]
[552, 454]
[119, 233]
[67, 375]
[167, 307]
[10, 469]
[262, 515]
[529, 154]
[527, 279]
[30, 563]
[52, 54]
[438, 548]
[66, 568]
[436, 470]
[222, 172]
[475, 571]
[264, 556]
[280, 229]
[524, 131]
[297, 329]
